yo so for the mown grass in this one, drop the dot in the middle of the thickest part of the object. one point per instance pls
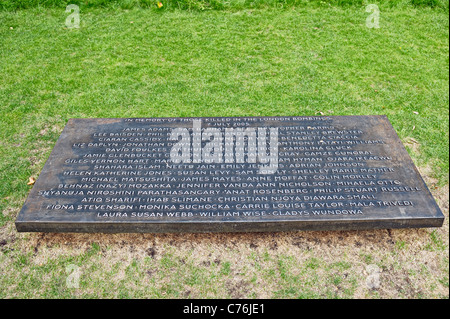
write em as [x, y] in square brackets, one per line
[216, 4]
[308, 60]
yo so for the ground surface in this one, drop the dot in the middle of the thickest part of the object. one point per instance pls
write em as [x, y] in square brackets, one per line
[141, 63]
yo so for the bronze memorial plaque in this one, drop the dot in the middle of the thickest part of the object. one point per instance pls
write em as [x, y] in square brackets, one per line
[230, 174]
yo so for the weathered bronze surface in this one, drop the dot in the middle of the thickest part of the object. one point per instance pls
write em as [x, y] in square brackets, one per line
[228, 175]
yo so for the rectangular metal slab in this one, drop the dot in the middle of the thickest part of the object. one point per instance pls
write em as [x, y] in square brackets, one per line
[228, 175]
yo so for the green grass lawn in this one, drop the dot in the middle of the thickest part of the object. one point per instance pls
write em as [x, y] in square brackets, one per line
[305, 60]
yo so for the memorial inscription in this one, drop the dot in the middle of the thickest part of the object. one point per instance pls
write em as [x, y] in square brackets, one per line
[228, 174]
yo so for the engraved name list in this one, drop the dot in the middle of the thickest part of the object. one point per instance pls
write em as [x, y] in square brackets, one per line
[228, 174]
